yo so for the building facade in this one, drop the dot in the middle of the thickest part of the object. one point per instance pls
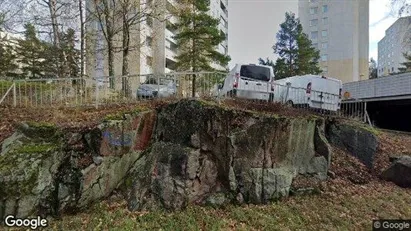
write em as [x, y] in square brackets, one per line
[154, 38]
[339, 29]
[396, 41]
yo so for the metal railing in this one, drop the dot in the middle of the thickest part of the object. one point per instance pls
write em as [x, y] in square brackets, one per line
[106, 90]
[76, 92]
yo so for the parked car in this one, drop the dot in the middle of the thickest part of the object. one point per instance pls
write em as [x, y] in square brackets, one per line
[151, 88]
[312, 91]
[249, 81]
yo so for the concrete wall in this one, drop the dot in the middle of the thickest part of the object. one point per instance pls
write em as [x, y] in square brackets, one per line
[396, 85]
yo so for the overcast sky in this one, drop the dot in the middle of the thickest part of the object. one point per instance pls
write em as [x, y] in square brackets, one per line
[254, 23]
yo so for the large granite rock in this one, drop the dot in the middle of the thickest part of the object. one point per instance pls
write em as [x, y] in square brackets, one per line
[201, 151]
[185, 153]
[45, 170]
[358, 139]
[399, 172]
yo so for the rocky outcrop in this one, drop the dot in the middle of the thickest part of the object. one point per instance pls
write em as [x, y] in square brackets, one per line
[185, 153]
[200, 151]
[46, 171]
[399, 172]
[357, 139]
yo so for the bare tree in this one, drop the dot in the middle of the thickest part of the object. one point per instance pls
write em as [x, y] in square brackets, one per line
[12, 13]
[107, 14]
[133, 13]
[121, 18]
[82, 35]
[401, 7]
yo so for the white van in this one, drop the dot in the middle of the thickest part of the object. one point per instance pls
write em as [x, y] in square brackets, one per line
[249, 81]
[312, 91]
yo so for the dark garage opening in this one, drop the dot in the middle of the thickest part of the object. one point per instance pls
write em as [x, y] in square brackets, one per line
[393, 114]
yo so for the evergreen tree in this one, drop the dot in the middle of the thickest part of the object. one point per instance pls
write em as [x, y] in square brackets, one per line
[407, 64]
[30, 51]
[53, 58]
[297, 55]
[372, 69]
[197, 39]
[72, 54]
[266, 62]
[307, 56]
[8, 64]
[280, 69]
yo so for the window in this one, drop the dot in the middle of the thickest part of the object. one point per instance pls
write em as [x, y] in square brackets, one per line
[314, 22]
[255, 72]
[149, 41]
[149, 61]
[325, 21]
[325, 69]
[392, 69]
[324, 45]
[324, 58]
[313, 1]
[315, 44]
[314, 34]
[325, 8]
[324, 33]
[149, 21]
[313, 10]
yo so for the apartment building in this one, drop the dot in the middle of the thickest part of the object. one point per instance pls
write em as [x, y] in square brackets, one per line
[339, 29]
[157, 48]
[396, 41]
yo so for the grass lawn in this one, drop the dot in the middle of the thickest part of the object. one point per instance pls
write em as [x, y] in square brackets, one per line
[343, 206]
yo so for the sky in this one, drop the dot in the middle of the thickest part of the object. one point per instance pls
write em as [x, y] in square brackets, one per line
[253, 25]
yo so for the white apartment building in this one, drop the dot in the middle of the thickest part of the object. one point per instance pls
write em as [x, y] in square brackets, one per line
[339, 29]
[396, 41]
[158, 50]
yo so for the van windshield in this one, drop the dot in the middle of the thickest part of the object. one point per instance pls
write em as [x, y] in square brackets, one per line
[255, 72]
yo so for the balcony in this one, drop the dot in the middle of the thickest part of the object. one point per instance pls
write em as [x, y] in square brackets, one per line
[173, 2]
[170, 54]
[172, 19]
[169, 35]
[223, 7]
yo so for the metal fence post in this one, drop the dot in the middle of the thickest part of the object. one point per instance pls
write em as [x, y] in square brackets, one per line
[14, 94]
[97, 91]
[286, 93]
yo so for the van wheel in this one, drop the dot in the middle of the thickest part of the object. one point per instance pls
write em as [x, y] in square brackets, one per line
[289, 103]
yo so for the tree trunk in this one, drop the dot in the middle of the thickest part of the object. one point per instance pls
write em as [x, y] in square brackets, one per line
[126, 49]
[193, 93]
[56, 36]
[110, 61]
[82, 37]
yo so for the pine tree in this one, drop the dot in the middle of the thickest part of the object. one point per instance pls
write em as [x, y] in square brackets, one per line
[297, 55]
[197, 39]
[266, 62]
[8, 64]
[280, 69]
[406, 64]
[30, 52]
[372, 69]
[72, 54]
[307, 56]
